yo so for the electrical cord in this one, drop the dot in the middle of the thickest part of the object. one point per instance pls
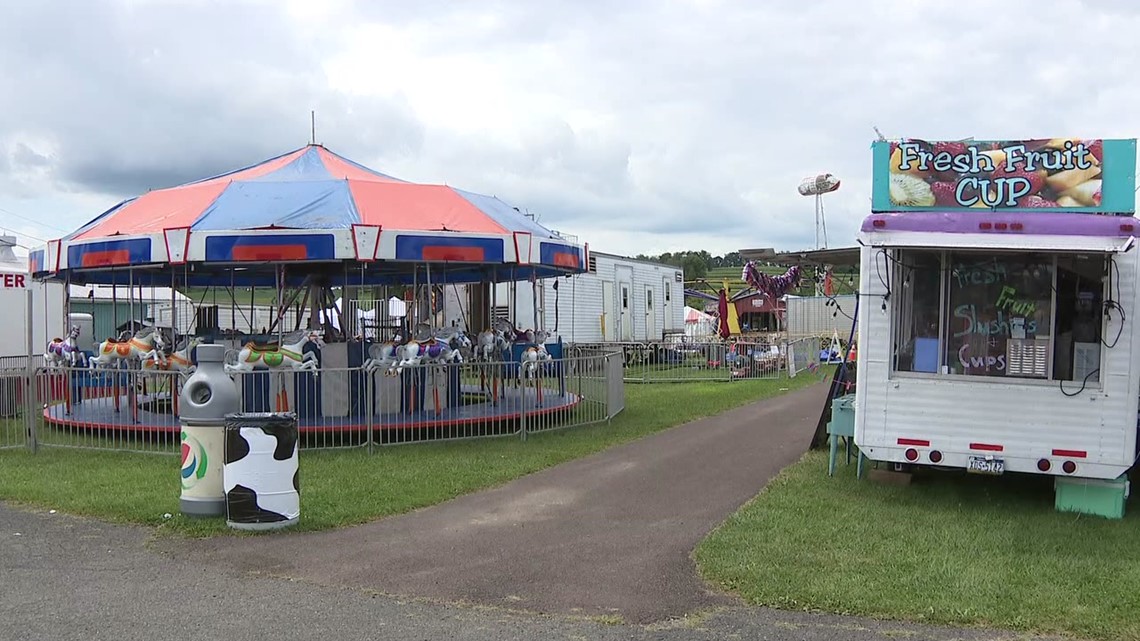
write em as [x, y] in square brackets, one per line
[1084, 384]
[1112, 303]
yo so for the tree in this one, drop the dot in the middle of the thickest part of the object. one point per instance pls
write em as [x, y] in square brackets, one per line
[695, 266]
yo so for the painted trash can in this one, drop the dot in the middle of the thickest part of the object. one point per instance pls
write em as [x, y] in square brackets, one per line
[207, 397]
[261, 471]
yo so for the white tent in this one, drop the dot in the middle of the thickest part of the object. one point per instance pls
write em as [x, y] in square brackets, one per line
[366, 319]
[699, 324]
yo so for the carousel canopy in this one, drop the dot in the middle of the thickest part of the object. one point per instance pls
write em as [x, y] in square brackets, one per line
[307, 212]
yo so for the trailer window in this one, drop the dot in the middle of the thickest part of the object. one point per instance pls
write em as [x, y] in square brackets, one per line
[1080, 318]
[919, 315]
[1001, 314]
[1006, 315]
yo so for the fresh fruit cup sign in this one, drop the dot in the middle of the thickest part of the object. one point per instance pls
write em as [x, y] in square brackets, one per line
[1064, 174]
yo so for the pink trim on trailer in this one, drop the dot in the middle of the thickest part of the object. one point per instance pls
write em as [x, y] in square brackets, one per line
[1071, 453]
[986, 447]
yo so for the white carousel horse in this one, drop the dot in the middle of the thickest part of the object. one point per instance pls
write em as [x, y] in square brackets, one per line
[383, 354]
[290, 353]
[491, 345]
[513, 334]
[458, 342]
[445, 347]
[65, 351]
[146, 345]
[531, 358]
[177, 361]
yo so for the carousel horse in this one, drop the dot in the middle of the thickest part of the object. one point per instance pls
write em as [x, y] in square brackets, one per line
[445, 347]
[65, 351]
[177, 361]
[460, 344]
[513, 334]
[491, 344]
[383, 354]
[290, 353]
[146, 345]
[530, 359]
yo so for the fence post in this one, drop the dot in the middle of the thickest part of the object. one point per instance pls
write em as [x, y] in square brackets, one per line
[522, 407]
[369, 406]
[30, 389]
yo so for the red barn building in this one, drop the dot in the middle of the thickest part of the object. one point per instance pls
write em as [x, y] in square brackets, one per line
[758, 312]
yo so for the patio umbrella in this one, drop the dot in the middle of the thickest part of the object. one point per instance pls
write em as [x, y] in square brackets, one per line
[722, 310]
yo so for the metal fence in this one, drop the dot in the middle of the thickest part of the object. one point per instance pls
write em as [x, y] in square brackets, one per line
[683, 361]
[135, 410]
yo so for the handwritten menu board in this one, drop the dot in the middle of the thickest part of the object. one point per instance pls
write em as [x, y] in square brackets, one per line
[1000, 311]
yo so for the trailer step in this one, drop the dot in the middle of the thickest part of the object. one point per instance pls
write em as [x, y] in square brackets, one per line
[1095, 497]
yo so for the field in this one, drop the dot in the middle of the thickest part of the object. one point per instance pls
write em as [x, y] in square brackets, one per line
[207, 296]
[948, 549]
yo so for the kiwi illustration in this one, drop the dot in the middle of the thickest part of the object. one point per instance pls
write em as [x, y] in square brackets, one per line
[910, 191]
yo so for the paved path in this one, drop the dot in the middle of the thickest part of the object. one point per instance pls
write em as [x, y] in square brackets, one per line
[71, 579]
[608, 534]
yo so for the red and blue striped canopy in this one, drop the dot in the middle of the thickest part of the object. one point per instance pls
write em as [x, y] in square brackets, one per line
[310, 205]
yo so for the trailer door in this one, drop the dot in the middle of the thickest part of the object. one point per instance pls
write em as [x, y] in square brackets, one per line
[624, 275]
[650, 315]
[607, 320]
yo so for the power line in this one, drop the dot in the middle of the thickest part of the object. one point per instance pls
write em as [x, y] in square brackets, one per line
[33, 221]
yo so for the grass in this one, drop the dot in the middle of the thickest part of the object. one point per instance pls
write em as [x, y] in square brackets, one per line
[341, 488]
[949, 549]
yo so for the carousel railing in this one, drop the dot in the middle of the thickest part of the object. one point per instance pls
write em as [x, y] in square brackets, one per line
[136, 410]
[13, 396]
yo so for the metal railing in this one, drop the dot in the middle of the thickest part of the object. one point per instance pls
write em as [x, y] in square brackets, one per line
[675, 362]
[137, 410]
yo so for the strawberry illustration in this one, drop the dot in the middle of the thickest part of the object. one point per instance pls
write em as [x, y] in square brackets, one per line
[1096, 148]
[953, 148]
[1036, 202]
[944, 193]
[1036, 178]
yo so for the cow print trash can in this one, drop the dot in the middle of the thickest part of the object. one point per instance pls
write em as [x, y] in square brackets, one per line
[261, 472]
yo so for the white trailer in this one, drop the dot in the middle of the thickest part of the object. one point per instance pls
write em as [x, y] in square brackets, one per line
[46, 306]
[617, 299]
[807, 316]
[1000, 342]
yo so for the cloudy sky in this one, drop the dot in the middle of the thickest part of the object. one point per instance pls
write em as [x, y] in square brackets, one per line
[640, 126]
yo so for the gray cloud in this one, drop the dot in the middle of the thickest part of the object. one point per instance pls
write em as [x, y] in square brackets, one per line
[133, 100]
[700, 117]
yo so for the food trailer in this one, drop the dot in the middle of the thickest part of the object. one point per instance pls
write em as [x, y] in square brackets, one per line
[998, 292]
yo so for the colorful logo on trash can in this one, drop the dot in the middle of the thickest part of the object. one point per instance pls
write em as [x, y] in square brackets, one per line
[194, 461]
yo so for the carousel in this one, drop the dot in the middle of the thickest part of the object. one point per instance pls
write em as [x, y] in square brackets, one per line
[307, 236]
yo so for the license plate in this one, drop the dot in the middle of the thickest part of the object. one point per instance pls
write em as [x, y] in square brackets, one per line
[984, 465]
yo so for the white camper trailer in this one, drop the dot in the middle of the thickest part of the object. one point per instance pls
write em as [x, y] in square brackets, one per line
[1000, 342]
[617, 299]
[46, 305]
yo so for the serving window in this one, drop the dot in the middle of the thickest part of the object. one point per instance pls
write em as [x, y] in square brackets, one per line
[1005, 315]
